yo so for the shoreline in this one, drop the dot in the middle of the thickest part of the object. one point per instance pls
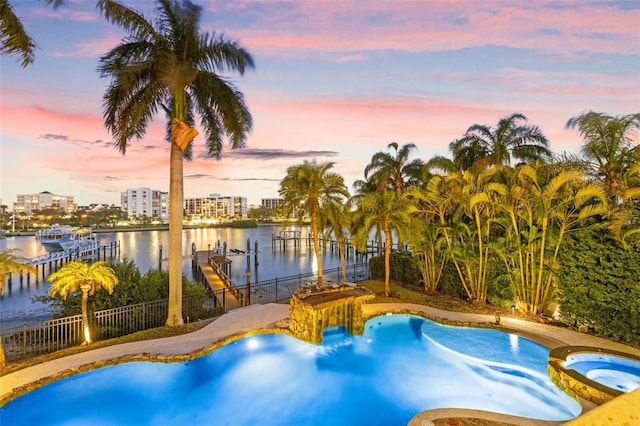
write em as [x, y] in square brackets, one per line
[144, 228]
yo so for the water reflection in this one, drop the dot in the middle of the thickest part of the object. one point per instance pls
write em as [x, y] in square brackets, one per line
[272, 260]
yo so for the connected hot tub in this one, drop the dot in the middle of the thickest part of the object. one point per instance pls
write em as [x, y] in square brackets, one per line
[594, 374]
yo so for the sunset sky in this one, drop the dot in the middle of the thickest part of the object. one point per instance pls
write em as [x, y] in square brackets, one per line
[335, 80]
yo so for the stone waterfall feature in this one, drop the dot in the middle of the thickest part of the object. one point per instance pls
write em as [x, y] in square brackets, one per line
[314, 308]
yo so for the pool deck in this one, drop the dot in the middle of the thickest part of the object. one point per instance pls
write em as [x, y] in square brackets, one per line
[620, 411]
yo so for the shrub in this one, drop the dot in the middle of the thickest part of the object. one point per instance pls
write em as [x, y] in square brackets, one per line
[403, 268]
[598, 284]
[247, 223]
[133, 288]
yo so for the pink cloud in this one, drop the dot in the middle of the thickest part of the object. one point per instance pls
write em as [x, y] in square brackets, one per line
[434, 26]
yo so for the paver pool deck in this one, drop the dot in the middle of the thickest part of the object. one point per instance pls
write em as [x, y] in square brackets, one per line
[621, 411]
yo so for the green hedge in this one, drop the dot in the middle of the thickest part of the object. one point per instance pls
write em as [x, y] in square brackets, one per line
[403, 268]
[599, 284]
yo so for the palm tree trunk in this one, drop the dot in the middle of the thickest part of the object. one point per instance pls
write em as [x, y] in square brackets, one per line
[174, 317]
[316, 245]
[343, 262]
[387, 256]
[3, 360]
[85, 315]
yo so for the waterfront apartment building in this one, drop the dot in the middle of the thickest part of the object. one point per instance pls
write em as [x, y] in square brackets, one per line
[29, 203]
[216, 207]
[146, 202]
[271, 203]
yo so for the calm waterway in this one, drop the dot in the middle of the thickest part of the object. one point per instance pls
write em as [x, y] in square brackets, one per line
[17, 306]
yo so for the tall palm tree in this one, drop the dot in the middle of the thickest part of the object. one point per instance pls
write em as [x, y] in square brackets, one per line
[390, 171]
[174, 67]
[363, 188]
[609, 145]
[512, 139]
[87, 278]
[308, 188]
[338, 222]
[381, 210]
[9, 264]
[14, 39]
[395, 171]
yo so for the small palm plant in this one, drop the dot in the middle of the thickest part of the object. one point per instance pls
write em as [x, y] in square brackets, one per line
[10, 263]
[86, 277]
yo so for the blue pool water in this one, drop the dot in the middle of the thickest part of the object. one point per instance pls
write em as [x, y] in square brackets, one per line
[401, 366]
[617, 373]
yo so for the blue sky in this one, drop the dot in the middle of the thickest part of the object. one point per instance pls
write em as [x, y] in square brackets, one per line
[334, 81]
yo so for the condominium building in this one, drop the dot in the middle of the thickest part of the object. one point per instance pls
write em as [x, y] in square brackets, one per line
[146, 202]
[271, 203]
[29, 203]
[215, 206]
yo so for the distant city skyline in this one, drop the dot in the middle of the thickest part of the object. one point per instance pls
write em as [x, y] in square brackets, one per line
[335, 80]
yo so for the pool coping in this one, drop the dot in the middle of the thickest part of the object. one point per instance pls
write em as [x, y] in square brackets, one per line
[255, 319]
[577, 384]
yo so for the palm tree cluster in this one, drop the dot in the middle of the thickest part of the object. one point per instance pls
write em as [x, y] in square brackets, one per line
[477, 211]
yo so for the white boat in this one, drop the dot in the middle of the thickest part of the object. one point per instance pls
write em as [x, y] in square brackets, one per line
[64, 237]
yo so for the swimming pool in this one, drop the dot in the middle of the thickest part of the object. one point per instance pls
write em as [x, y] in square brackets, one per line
[402, 365]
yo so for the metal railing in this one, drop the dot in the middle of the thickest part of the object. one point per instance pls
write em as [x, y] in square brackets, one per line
[48, 336]
[280, 289]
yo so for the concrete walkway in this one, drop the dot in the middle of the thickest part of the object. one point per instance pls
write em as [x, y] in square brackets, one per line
[255, 317]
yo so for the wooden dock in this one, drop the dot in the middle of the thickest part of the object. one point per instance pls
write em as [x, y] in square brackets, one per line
[212, 270]
[51, 262]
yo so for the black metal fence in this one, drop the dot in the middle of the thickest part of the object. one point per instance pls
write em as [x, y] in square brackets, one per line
[44, 337]
[279, 289]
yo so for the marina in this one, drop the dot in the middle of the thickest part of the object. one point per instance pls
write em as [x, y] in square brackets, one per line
[87, 250]
[64, 238]
[148, 248]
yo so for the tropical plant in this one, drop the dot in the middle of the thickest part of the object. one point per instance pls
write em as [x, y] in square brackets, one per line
[133, 288]
[394, 171]
[174, 67]
[512, 139]
[468, 234]
[388, 172]
[609, 146]
[14, 39]
[430, 214]
[541, 206]
[381, 210]
[87, 278]
[10, 263]
[308, 188]
[338, 222]
[624, 218]
[363, 188]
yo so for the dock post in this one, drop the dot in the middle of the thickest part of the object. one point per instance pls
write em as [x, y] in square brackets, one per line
[248, 297]
[160, 258]
[255, 260]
